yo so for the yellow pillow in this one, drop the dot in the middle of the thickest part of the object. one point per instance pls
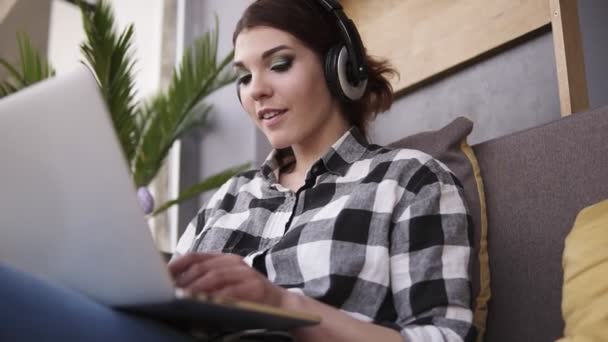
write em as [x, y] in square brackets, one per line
[585, 262]
[482, 298]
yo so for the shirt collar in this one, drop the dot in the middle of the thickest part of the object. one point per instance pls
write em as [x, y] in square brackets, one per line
[349, 148]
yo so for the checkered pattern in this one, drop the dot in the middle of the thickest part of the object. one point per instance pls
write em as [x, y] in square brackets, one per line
[382, 234]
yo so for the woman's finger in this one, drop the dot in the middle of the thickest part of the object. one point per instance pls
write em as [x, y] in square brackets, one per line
[199, 269]
[224, 260]
[183, 263]
[254, 290]
[217, 279]
[241, 291]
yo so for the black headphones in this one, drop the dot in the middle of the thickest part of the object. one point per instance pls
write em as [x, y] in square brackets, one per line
[345, 65]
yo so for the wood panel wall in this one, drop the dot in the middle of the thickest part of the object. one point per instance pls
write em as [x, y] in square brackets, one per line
[569, 57]
[425, 38]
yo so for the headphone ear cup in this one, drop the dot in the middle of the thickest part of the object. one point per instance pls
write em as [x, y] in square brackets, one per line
[336, 74]
[331, 72]
[353, 90]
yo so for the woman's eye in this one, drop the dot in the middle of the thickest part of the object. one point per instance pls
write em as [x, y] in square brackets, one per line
[244, 79]
[282, 64]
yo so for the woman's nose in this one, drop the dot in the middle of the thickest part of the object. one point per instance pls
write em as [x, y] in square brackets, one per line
[260, 88]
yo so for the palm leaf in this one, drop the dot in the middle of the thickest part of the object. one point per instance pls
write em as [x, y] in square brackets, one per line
[210, 183]
[171, 114]
[110, 57]
[7, 88]
[13, 72]
[33, 68]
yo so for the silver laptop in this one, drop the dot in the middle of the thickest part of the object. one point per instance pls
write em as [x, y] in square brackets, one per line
[69, 212]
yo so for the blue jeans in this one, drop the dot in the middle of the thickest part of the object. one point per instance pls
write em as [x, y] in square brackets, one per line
[34, 310]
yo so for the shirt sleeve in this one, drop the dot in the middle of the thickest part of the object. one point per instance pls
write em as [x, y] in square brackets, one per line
[430, 254]
[196, 227]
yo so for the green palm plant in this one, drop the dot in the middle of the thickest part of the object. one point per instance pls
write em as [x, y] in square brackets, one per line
[32, 68]
[108, 54]
[146, 130]
[169, 115]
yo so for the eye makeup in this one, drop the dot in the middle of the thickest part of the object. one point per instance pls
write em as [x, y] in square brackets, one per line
[282, 63]
[278, 64]
[243, 77]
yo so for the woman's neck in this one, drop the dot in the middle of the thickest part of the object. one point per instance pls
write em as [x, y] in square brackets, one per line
[307, 152]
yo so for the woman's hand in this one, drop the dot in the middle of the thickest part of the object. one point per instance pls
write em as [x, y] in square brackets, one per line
[229, 276]
[224, 275]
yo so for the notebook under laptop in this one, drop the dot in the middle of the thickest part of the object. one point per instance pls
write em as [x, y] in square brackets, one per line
[69, 213]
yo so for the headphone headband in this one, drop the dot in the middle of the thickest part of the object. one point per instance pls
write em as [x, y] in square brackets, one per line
[352, 40]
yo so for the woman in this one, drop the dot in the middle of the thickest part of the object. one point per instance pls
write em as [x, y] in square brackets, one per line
[372, 240]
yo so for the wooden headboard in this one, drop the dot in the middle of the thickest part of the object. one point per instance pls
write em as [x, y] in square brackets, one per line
[424, 39]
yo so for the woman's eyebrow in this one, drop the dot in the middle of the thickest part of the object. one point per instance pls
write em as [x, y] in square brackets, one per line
[265, 55]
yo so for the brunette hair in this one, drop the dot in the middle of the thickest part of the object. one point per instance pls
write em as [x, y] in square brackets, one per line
[318, 29]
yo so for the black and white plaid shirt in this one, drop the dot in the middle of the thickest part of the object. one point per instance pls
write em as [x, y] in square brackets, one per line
[382, 234]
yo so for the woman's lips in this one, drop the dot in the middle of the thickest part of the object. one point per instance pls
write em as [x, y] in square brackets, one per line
[274, 120]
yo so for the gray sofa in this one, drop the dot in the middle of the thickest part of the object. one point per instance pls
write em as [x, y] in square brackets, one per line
[536, 181]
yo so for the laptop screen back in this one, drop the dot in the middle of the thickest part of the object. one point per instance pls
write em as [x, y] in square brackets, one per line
[69, 212]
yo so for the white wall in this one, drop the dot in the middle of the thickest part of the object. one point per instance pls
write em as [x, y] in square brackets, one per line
[65, 35]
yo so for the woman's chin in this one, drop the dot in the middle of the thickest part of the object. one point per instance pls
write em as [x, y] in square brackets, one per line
[279, 142]
[279, 146]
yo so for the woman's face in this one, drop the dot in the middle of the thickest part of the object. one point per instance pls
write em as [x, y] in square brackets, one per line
[283, 89]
